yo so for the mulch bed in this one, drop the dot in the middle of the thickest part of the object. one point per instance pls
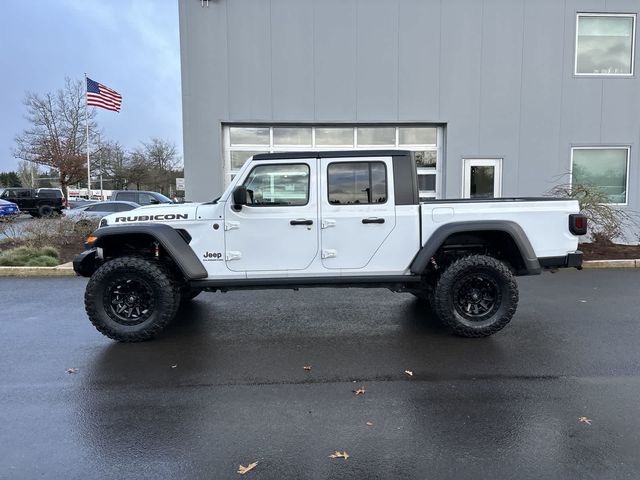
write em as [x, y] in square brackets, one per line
[612, 251]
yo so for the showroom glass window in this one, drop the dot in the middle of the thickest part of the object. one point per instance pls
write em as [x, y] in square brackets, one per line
[357, 183]
[605, 44]
[605, 168]
[243, 141]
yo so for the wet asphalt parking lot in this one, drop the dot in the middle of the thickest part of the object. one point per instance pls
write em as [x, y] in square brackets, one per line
[225, 386]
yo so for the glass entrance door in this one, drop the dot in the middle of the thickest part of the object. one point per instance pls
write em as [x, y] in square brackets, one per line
[482, 178]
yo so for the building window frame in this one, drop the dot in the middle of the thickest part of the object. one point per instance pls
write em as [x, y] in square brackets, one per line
[606, 147]
[437, 148]
[633, 45]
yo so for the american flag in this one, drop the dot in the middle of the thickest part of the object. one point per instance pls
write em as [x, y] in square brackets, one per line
[100, 96]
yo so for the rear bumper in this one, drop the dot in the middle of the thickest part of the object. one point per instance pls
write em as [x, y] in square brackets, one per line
[572, 260]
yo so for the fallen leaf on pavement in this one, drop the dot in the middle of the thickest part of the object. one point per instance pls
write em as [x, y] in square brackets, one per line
[242, 470]
[585, 420]
[359, 391]
[370, 424]
[307, 367]
[174, 366]
[72, 370]
[338, 454]
[409, 372]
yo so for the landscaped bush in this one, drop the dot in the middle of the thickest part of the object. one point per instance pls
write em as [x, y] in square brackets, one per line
[57, 231]
[30, 257]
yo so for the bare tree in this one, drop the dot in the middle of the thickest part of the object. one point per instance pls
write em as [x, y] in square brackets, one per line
[56, 134]
[161, 160]
[111, 161]
[28, 173]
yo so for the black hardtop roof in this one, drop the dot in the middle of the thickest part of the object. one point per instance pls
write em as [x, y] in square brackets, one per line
[331, 154]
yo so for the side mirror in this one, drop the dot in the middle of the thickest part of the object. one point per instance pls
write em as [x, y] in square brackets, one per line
[239, 197]
[154, 201]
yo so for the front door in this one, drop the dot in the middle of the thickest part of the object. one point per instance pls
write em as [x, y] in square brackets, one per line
[482, 178]
[357, 209]
[278, 229]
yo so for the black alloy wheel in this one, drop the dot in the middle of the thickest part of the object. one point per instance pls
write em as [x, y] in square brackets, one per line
[476, 296]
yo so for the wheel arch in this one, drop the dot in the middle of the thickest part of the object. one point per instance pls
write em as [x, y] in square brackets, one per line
[507, 235]
[115, 240]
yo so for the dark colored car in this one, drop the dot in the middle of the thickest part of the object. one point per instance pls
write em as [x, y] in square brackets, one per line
[140, 197]
[38, 203]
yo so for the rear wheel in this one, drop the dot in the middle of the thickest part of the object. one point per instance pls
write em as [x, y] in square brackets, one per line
[476, 296]
[45, 211]
[131, 299]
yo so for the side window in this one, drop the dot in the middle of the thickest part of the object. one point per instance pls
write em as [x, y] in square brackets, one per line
[147, 199]
[23, 194]
[127, 196]
[104, 207]
[357, 183]
[278, 185]
[123, 207]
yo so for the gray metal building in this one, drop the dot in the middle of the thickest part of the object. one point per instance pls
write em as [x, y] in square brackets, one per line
[501, 97]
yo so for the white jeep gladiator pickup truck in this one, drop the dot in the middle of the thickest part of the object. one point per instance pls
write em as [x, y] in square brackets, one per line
[326, 219]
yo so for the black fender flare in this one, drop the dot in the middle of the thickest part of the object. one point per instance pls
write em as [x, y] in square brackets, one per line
[531, 263]
[170, 240]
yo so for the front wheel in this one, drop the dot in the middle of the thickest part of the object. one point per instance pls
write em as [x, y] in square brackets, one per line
[476, 296]
[131, 299]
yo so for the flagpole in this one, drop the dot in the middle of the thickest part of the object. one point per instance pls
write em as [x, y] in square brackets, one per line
[86, 117]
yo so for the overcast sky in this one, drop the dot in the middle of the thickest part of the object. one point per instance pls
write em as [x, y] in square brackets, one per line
[131, 46]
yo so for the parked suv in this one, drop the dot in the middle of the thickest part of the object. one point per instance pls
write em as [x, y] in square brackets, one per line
[140, 197]
[38, 203]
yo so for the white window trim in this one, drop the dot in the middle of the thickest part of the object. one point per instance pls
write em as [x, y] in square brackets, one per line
[606, 147]
[633, 45]
[424, 194]
[495, 162]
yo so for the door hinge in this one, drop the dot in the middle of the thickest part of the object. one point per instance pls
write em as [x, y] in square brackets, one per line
[328, 222]
[231, 225]
[329, 253]
[233, 255]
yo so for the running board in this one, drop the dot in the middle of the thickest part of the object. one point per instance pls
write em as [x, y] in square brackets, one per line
[396, 282]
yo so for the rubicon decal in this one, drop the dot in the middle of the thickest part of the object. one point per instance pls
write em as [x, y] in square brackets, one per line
[153, 218]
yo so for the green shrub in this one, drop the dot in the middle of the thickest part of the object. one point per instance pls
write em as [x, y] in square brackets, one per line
[30, 257]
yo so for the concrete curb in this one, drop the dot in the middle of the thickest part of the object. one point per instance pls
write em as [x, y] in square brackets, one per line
[64, 270]
[612, 263]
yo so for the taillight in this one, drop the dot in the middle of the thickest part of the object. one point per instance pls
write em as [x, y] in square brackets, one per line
[578, 224]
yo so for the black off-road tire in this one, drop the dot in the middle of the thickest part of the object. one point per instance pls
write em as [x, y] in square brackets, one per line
[45, 211]
[187, 294]
[156, 286]
[466, 286]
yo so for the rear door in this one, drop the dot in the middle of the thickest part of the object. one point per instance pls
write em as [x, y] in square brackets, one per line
[357, 209]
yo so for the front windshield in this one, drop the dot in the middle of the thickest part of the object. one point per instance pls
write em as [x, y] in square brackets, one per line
[163, 199]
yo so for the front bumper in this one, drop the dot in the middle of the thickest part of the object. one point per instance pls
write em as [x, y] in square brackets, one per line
[571, 260]
[85, 263]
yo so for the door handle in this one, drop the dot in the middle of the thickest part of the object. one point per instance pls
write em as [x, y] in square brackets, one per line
[373, 220]
[301, 222]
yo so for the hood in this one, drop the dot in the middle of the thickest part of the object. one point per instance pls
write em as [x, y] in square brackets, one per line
[163, 213]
